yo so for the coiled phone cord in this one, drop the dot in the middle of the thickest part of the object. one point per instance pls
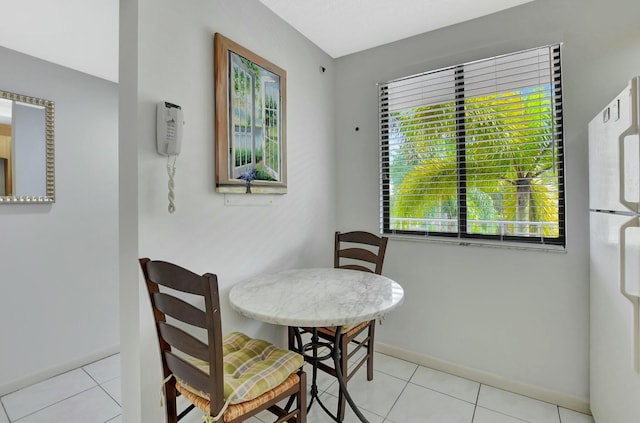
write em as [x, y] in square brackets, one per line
[171, 171]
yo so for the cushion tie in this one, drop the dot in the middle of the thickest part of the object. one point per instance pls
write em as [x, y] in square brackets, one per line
[205, 418]
[164, 382]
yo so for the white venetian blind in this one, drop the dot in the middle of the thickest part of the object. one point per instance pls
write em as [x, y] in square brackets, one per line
[475, 150]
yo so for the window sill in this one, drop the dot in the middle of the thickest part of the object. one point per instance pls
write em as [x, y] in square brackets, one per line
[546, 248]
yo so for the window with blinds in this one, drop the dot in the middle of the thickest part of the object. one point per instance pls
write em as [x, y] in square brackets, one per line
[476, 151]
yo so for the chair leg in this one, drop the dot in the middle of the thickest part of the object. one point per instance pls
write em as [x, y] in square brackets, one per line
[344, 354]
[372, 330]
[302, 398]
[292, 338]
[171, 404]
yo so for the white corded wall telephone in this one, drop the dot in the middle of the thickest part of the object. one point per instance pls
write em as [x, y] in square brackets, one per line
[170, 121]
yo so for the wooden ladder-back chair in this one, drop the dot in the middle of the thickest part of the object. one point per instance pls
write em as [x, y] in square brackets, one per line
[230, 379]
[365, 252]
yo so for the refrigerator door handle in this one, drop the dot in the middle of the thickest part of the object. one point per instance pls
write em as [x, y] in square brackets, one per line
[635, 299]
[631, 130]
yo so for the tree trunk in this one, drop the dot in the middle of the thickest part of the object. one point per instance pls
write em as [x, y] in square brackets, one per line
[533, 213]
[522, 195]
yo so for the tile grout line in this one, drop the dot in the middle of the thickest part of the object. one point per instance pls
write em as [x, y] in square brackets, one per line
[64, 399]
[475, 406]
[559, 416]
[359, 407]
[102, 387]
[441, 393]
[522, 395]
[110, 396]
[104, 390]
[386, 416]
[89, 374]
[51, 405]
[4, 410]
[498, 411]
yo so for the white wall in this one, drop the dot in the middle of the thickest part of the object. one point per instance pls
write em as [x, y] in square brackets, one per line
[175, 63]
[505, 315]
[59, 283]
[128, 212]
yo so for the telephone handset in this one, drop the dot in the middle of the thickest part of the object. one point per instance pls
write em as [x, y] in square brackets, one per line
[169, 130]
[169, 140]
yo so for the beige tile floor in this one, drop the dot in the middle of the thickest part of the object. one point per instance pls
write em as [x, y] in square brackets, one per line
[401, 392]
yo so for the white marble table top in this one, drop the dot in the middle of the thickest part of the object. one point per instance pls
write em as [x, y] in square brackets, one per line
[316, 297]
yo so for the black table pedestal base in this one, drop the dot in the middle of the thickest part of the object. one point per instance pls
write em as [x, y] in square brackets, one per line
[313, 358]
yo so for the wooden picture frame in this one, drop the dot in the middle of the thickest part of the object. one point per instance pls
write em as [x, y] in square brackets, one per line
[250, 121]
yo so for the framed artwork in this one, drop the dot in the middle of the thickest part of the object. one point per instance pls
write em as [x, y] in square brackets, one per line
[250, 96]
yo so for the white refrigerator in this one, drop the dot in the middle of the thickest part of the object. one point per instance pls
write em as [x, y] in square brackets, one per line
[614, 209]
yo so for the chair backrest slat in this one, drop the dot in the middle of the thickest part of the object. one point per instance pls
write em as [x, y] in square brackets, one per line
[175, 277]
[360, 237]
[359, 254]
[180, 310]
[187, 372]
[183, 341]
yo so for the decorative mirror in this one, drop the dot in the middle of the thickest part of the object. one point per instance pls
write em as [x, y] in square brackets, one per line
[26, 149]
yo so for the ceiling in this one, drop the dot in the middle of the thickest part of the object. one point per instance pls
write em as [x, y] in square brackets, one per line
[83, 35]
[341, 27]
[78, 34]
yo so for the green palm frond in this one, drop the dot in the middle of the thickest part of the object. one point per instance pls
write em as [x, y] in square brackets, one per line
[508, 144]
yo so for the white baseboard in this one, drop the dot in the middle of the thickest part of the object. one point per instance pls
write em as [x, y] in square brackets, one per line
[543, 394]
[40, 376]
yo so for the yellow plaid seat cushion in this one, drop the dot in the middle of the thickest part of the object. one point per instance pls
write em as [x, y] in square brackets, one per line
[236, 410]
[251, 368]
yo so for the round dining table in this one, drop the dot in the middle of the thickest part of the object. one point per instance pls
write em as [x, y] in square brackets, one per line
[317, 297]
